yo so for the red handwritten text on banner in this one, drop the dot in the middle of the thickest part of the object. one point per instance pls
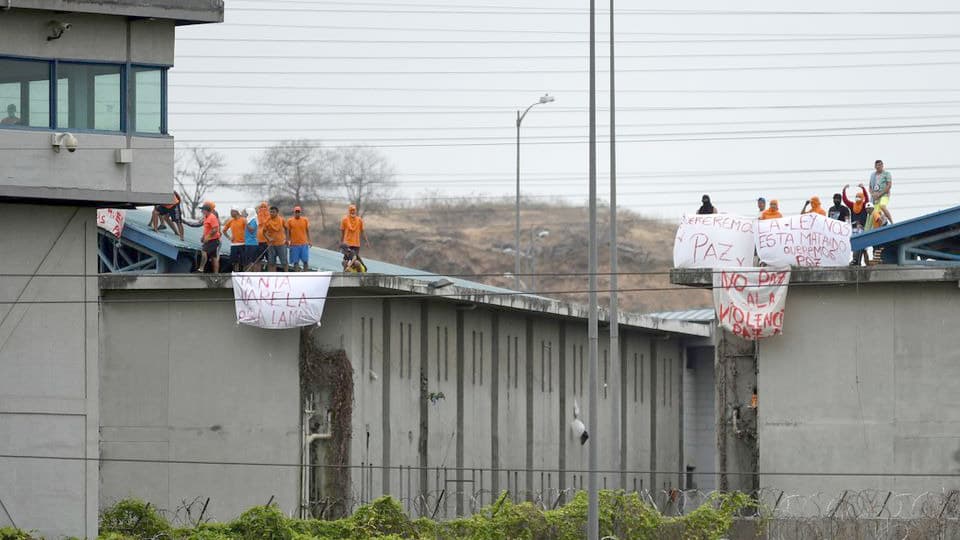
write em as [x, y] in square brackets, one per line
[714, 241]
[750, 302]
[279, 299]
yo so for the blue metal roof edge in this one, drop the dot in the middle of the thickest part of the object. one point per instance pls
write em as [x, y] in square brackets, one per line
[906, 229]
[157, 245]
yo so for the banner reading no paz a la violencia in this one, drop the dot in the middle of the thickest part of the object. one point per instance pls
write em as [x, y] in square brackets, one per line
[279, 300]
[751, 302]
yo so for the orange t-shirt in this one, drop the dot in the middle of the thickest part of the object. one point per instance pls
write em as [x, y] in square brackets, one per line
[237, 228]
[263, 216]
[298, 230]
[351, 236]
[274, 226]
[211, 227]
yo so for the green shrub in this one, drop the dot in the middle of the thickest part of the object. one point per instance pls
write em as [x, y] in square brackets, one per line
[262, 523]
[383, 516]
[133, 518]
[623, 516]
[9, 533]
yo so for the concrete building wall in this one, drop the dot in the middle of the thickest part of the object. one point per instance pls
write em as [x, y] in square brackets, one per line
[699, 427]
[636, 360]
[49, 353]
[861, 382]
[181, 381]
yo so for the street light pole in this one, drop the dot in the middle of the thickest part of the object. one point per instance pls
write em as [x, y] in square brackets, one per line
[546, 98]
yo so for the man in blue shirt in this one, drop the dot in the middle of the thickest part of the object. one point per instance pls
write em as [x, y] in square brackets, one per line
[250, 241]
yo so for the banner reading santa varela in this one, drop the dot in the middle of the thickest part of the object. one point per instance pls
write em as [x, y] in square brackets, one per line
[280, 299]
[714, 241]
[750, 302]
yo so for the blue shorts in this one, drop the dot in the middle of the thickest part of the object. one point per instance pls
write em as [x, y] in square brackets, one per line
[300, 253]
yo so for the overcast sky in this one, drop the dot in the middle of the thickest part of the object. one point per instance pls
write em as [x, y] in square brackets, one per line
[737, 99]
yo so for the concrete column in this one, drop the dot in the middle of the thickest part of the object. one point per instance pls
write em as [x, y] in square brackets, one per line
[737, 448]
[460, 412]
[565, 414]
[424, 411]
[528, 386]
[495, 403]
[385, 372]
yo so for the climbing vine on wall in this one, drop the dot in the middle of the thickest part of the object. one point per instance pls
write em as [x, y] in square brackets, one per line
[331, 370]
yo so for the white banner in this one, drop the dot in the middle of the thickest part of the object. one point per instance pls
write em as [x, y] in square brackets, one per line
[750, 302]
[714, 241]
[111, 219]
[280, 299]
[804, 240]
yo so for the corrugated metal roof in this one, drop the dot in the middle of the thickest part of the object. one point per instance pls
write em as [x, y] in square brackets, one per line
[907, 229]
[705, 315]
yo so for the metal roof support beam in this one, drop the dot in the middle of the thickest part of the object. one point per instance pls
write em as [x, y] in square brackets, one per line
[910, 250]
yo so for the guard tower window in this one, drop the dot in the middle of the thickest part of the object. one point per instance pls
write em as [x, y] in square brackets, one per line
[89, 96]
[24, 93]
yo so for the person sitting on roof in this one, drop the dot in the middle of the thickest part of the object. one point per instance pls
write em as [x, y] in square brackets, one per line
[773, 211]
[351, 260]
[814, 207]
[169, 214]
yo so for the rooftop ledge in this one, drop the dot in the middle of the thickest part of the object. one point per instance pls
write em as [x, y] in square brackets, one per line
[844, 275]
[402, 286]
[181, 11]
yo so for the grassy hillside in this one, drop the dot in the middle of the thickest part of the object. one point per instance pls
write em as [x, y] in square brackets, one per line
[475, 239]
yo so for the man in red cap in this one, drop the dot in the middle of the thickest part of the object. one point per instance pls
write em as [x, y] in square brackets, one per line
[298, 233]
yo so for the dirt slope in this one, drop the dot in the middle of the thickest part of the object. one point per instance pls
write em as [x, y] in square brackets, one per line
[475, 240]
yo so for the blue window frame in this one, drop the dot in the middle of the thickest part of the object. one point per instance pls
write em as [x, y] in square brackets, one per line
[87, 96]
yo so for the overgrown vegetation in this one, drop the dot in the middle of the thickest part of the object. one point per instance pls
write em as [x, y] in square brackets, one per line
[622, 516]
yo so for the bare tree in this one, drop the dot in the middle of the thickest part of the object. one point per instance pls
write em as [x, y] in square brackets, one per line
[197, 170]
[366, 176]
[297, 170]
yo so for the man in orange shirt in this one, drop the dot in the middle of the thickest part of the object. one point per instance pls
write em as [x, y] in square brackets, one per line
[274, 230]
[211, 240]
[299, 230]
[234, 229]
[351, 228]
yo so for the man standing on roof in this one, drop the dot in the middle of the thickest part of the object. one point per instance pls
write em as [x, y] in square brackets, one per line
[773, 212]
[234, 229]
[814, 207]
[880, 183]
[299, 229]
[250, 240]
[211, 240]
[351, 229]
[838, 211]
[859, 213]
[275, 231]
[263, 215]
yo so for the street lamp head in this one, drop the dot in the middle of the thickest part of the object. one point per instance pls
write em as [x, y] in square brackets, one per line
[546, 98]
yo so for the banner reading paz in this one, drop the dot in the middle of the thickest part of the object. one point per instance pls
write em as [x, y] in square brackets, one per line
[280, 299]
[714, 241]
[750, 302]
[804, 240]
